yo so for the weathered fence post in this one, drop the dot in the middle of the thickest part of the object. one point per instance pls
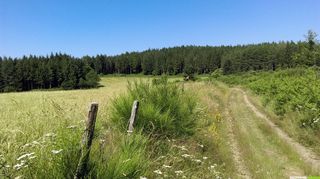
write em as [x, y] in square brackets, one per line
[87, 141]
[133, 116]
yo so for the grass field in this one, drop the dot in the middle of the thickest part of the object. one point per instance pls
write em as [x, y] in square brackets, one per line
[41, 131]
[30, 120]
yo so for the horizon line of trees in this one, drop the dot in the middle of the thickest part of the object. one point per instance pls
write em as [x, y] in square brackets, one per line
[61, 70]
[54, 71]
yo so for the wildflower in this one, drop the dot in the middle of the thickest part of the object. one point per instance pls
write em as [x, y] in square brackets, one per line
[142, 177]
[25, 155]
[71, 127]
[19, 165]
[212, 167]
[183, 148]
[200, 145]
[56, 151]
[197, 160]
[50, 135]
[204, 158]
[179, 172]
[166, 166]
[35, 143]
[18, 177]
[7, 166]
[32, 157]
[26, 145]
[158, 172]
[186, 156]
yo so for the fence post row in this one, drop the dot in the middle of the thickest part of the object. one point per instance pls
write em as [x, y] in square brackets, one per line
[87, 141]
[133, 116]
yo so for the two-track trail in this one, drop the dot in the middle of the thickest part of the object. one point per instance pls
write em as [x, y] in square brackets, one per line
[258, 147]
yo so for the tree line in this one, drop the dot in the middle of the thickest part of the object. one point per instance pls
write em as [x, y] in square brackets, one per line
[64, 71]
[37, 72]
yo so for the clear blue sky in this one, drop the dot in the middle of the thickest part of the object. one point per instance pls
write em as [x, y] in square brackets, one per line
[90, 27]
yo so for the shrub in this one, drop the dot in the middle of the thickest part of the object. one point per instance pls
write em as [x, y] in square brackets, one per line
[165, 110]
[217, 73]
[92, 80]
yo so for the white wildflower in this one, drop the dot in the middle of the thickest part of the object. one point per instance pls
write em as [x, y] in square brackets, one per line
[204, 158]
[200, 145]
[26, 145]
[56, 151]
[19, 165]
[35, 143]
[18, 177]
[179, 172]
[183, 148]
[7, 166]
[25, 155]
[212, 167]
[158, 172]
[50, 135]
[32, 157]
[71, 127]
[142, 177]
[166, 166]
[186, 156]
[197, 160]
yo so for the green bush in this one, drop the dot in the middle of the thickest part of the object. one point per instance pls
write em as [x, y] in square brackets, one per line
[165, 110]
[92, 80]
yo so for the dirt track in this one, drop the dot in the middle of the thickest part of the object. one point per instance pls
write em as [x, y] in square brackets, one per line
[259, 148]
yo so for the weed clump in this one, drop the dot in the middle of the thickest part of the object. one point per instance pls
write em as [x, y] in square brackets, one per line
[165, 110]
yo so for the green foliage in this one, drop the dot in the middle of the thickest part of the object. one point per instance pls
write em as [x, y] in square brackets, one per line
[295, 89]
[164, 109]
[91, 80]
[217, 73]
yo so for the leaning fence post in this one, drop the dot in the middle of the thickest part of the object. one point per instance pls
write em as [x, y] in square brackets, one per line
[87, 141]
[133, 116]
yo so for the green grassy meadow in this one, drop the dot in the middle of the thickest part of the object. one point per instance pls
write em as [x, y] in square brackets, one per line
[41, 132]
[182, 131]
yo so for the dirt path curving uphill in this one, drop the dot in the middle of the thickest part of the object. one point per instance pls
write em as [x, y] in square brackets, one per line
[305, 153]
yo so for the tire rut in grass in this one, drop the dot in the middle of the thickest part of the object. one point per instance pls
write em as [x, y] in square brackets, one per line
[306, 154]
[242, 169]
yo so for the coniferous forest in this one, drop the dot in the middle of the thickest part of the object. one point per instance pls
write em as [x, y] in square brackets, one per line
[68, 72]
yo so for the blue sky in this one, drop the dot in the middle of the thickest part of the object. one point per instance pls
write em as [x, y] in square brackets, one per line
[90, 27]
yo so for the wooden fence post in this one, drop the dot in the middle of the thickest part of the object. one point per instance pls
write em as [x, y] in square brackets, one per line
[87, 141]
[133, 116]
